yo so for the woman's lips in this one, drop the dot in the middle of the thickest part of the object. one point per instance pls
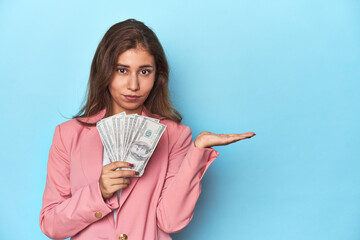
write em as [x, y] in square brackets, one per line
[131, 98]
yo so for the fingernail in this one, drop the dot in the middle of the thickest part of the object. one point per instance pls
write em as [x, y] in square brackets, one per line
[131, 165]
[136, 173]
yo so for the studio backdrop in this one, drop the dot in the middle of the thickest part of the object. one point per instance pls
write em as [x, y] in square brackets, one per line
[287, 70]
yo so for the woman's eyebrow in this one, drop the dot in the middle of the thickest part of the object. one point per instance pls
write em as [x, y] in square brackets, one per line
[127, 66]
[146, 66]
[122, 65]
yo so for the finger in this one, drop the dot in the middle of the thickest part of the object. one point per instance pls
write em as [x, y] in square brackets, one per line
[122, 173]
[119, 181]
[231, 138]
[242, 135]
[117, 164]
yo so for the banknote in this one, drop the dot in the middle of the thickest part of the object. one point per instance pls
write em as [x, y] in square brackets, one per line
[130, 138]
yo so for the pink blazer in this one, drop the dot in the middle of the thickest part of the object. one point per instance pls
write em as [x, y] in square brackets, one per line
[160, 202]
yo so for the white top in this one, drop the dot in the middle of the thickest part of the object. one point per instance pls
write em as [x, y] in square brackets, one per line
[106, 160]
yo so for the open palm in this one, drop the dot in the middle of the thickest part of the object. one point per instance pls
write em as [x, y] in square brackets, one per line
[209, 139]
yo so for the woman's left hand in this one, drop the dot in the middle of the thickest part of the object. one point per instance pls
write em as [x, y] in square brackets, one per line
[209, 139]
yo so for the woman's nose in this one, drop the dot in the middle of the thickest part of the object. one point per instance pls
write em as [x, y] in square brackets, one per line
[133, 83]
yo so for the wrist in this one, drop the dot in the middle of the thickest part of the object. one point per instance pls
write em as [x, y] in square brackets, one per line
[199, 144]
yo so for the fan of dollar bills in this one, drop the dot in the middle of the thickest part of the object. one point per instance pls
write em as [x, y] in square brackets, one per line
[130, 138]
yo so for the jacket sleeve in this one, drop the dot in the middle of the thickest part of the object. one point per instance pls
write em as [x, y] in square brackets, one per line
[65, 213]
[182, 187]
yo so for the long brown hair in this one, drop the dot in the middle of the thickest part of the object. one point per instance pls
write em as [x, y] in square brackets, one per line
[119, 38]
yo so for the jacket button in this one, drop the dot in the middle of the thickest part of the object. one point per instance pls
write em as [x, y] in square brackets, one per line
[98, 215]
[123, 237]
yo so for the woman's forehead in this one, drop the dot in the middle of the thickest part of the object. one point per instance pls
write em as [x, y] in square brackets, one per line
[136, 57]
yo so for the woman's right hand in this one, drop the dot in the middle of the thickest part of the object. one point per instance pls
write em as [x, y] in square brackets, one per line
[112, 180]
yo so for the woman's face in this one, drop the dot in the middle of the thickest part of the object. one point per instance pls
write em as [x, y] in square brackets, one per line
[132, 81]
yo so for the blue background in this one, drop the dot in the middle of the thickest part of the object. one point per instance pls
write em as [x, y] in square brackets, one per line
[287, 70]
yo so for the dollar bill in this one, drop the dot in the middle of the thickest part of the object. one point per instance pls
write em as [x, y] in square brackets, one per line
[130, 138]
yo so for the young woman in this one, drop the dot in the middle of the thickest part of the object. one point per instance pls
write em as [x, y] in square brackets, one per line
[129, 73]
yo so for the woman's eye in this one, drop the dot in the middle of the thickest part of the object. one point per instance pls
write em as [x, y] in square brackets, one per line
[145, 71]
[121, 70]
